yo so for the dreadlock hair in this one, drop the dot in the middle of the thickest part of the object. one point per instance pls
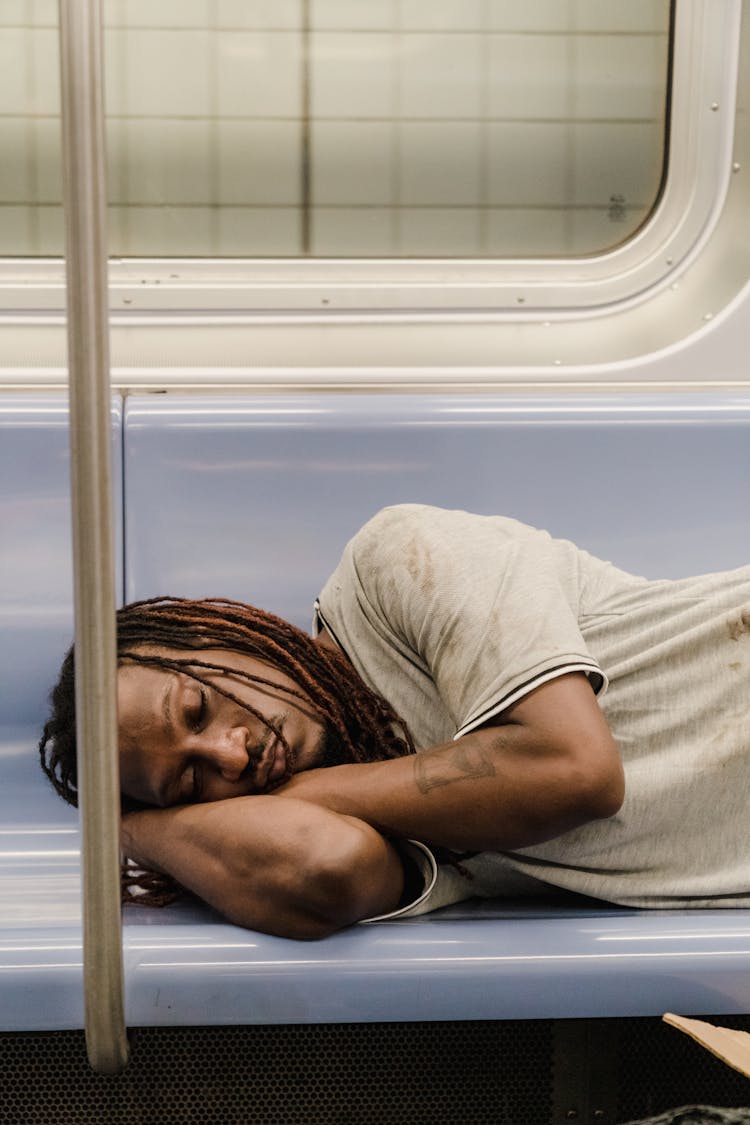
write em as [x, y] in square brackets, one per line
[364, 724]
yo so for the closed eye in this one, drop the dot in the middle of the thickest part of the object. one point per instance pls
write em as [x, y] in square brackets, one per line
[197, 710]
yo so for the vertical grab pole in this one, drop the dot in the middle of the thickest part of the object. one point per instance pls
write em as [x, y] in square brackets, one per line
[93, 551]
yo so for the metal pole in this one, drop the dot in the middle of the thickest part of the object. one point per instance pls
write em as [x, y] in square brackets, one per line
[93, 552]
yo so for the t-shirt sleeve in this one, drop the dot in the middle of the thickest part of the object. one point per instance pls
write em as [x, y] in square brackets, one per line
[486, 607]
[431, 884]
[437, 877]
[421, 870]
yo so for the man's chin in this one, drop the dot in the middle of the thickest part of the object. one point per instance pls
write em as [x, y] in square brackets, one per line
[329, 751]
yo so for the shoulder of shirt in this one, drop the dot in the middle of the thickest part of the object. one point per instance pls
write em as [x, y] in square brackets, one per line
[398, 513]
[391, 521]
[431, 520]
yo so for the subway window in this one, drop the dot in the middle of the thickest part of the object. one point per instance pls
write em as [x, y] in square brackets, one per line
[349, 128]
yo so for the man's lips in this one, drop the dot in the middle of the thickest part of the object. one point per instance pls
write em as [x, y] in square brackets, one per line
[270, 766]
[278, 764]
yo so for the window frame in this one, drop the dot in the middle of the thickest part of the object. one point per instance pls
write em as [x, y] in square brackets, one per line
[706, 37]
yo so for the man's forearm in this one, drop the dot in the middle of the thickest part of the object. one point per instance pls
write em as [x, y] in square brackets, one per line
[274, 864]
[495, 789]
[461, 795]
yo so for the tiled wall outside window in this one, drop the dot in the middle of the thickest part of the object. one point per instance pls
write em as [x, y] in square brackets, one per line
[350, 128]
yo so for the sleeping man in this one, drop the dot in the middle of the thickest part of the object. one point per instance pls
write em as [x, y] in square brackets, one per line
[482, 710]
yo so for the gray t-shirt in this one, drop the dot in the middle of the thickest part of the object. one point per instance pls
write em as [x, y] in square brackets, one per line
[453, 617]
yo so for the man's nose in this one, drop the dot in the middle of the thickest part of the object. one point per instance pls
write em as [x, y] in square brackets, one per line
[230, 755]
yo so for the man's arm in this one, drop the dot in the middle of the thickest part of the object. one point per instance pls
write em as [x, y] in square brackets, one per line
[546, 765]
[279, 865]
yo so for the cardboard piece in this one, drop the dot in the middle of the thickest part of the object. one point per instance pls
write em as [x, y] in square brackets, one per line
[732, 1047]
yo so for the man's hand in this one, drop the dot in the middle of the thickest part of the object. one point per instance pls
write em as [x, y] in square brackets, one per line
[279, 865]
[546, 765]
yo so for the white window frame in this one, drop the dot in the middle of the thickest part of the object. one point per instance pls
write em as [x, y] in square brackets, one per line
[704, 82]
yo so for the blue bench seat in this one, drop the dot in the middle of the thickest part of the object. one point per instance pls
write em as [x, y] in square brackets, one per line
[253, 496]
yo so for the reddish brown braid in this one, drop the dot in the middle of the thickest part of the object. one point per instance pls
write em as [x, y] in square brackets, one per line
[367, 727]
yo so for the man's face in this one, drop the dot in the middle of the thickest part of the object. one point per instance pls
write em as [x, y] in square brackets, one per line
[182, 741]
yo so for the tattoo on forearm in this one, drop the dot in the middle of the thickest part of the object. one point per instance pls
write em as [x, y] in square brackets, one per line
[436, 768]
